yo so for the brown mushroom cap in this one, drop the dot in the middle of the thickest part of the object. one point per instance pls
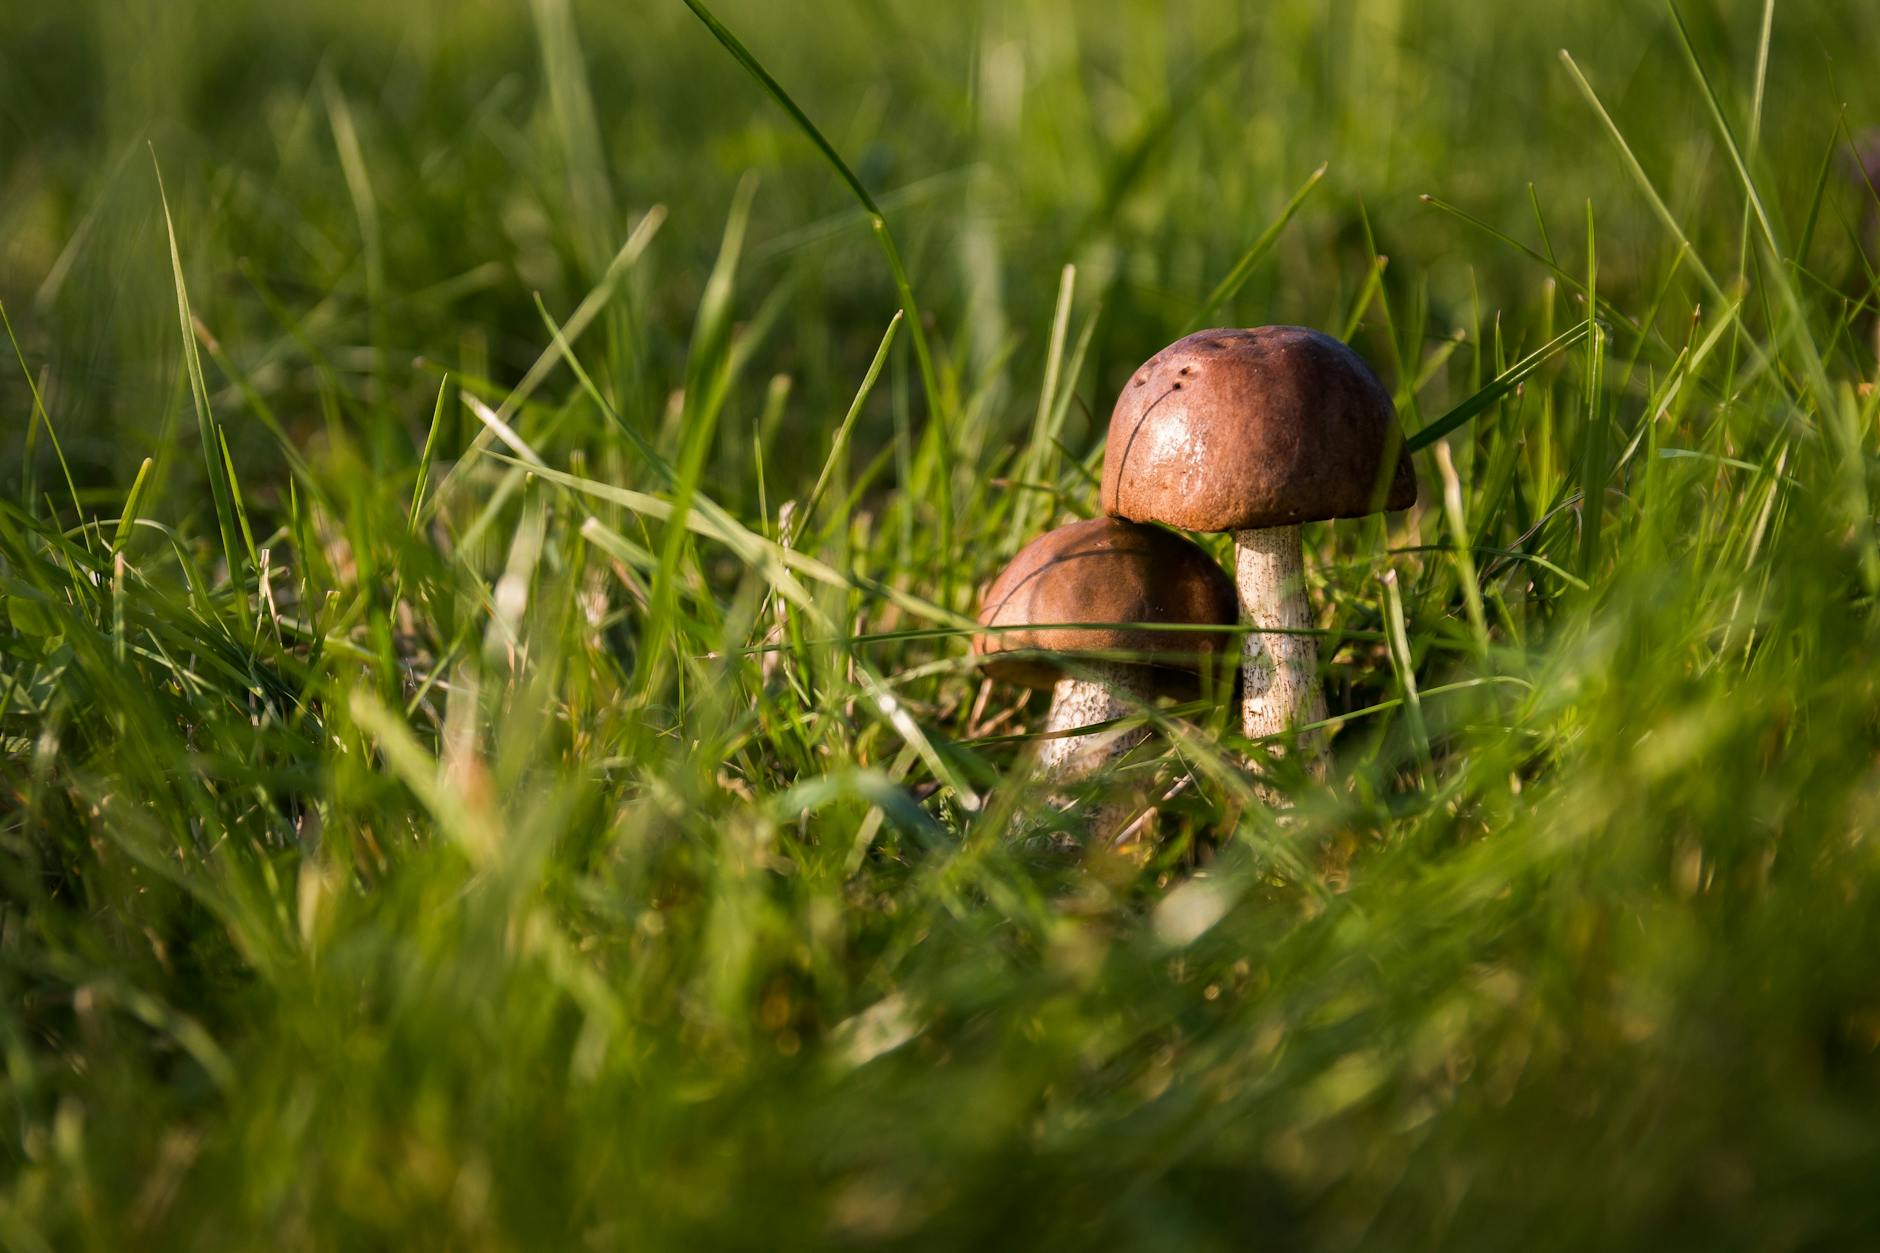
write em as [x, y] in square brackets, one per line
[1104, 570]
[1227, 430]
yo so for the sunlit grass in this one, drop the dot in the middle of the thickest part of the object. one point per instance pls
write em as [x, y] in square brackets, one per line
[514, 776]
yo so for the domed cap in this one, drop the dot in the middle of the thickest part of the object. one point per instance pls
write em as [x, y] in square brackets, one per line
[1228, 430]
[1097, 571]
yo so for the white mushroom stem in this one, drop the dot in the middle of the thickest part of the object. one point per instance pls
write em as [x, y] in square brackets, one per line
[1101, 691]
[1279, 666]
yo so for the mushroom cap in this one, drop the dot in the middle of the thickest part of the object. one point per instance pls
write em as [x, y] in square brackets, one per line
[1105, 570]
[1228, 430]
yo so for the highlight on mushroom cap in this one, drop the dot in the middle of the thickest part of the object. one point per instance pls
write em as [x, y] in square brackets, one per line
[1104, 570]
[1229, 429]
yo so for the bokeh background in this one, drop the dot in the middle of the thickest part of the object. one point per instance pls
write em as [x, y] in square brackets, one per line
[504, 149]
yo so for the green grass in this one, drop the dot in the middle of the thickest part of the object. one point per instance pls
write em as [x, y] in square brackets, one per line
[513, 776]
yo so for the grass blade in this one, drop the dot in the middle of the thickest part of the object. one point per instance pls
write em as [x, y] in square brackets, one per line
[590, 308]
[1498, 387]
[1593, 446]
[841, 440]
[426, 456]
[1047, 396]
[1402, 660]
[40, 415]
[212, 448]
[1642, 179]
[1237, 277]
[133, 505]
[917, 331]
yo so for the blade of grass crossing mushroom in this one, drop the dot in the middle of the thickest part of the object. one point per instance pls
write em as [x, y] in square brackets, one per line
[1406, 399]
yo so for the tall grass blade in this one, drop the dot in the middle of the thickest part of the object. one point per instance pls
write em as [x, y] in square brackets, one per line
[1236, 278]
[133, 507]
[917, 330]
[1498, 387]
[220, 492]
[838, 446]
[1640, 178]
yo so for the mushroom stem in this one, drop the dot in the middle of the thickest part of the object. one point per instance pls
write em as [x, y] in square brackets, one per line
[1279, 667]
[1100, 692]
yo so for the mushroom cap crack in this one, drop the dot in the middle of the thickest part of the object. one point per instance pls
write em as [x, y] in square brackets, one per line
[1228, 430]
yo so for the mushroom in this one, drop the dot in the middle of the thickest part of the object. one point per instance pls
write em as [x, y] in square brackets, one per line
[1254, 432]
[1062, 588]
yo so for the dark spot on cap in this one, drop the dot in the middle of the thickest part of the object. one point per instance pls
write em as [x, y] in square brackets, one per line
[1286, 425]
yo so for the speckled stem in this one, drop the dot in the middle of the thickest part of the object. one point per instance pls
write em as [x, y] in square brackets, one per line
[1100, 692]
[1279, 671]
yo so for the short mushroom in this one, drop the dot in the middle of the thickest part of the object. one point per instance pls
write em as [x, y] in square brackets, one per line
[1054, 599]
[1254, 432]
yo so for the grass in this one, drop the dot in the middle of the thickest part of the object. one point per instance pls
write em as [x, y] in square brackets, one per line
[515, 777]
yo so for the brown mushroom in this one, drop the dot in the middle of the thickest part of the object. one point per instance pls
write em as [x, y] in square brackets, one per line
[1095, 588]
[1254, 432]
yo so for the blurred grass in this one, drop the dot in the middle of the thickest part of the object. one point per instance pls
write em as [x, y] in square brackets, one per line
[514, 777]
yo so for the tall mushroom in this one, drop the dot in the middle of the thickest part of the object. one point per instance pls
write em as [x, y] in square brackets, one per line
[1061, 590]
[1254, 432]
